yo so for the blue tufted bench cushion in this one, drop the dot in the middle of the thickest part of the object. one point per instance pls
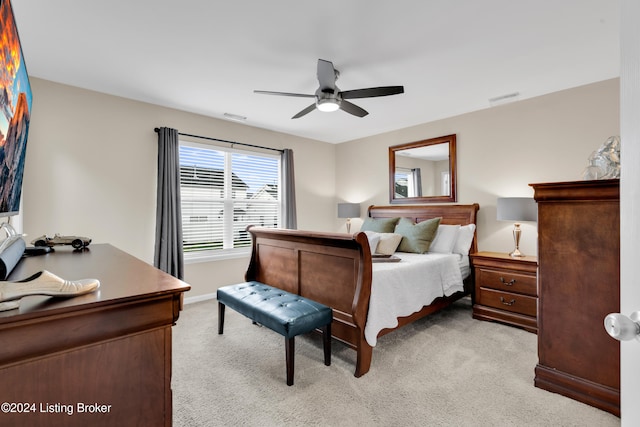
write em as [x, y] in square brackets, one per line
[283, 312]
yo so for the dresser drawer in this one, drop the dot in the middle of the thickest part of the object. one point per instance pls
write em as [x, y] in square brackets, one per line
[507, 281]
[508, 301]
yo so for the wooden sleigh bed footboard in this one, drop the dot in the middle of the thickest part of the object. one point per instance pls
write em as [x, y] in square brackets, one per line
[330, 268]
[335, 269]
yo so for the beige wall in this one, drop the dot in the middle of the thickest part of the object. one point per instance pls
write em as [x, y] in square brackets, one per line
[91, 165]
[91, 171]
[500, 151]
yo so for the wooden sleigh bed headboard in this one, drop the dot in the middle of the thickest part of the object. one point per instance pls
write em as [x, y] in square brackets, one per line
[335, 269]
[450, 214]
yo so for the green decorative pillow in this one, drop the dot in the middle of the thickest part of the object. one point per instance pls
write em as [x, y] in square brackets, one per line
[379, 225]
[417, 238]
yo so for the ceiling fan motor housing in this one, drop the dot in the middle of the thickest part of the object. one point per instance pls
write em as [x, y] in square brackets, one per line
[328, 99]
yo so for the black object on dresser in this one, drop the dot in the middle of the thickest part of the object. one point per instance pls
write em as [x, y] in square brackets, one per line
[579, 284]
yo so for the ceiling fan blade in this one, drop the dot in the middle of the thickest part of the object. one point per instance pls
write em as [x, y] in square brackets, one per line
[326, 74]
[298, 95]
[352, 109]
[372, 92]
[304, 112]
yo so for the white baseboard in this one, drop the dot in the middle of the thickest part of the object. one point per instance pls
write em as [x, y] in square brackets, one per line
[199, 298]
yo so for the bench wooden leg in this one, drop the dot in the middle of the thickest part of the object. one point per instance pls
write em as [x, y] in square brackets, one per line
[221, 308]
[290, 345]
[326, 341]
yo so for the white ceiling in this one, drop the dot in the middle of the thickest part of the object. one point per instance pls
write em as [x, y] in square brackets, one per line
[207, 56]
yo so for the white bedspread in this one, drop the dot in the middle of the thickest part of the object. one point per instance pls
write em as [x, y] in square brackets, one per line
[401, 288]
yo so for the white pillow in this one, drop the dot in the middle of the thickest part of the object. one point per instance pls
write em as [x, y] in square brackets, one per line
[373, 239]
[388, 242]
[465, 237]
[445, 240]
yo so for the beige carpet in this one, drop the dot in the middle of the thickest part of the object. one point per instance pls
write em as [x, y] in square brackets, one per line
[444, 370]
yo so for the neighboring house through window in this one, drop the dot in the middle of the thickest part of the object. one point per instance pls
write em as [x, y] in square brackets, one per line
[223, 191]
[407, 183]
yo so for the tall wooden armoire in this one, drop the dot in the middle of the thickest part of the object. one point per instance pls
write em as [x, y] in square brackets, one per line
[578, 285]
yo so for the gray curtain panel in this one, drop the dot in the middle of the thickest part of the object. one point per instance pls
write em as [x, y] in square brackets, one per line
[168, 248]
[417, 179]
[289, 217]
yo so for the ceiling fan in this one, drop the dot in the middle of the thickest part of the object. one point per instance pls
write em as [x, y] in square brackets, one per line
[330, 98]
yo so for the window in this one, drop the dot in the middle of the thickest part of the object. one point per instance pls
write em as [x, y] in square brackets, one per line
[407, 182]
[222, 192]
[401, 183]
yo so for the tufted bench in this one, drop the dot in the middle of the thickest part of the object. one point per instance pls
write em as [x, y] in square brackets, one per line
[283, 312]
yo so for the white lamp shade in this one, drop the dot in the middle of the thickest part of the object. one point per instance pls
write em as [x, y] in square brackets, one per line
[517, 209]
[348, 210]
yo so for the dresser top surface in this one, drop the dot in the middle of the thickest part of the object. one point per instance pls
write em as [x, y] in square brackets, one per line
[503, 256]
[585, 191]
[122, 277]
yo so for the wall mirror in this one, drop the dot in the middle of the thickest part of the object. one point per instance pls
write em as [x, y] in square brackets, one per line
[423, 171]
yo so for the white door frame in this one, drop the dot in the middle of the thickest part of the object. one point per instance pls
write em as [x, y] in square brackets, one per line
[630, 204]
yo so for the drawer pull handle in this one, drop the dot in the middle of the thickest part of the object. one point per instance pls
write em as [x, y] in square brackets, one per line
[505, 302]
[509, 283]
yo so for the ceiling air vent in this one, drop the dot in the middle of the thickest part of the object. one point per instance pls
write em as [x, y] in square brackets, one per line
[504, 99]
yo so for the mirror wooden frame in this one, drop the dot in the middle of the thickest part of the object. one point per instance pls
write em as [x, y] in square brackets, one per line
[452, 197]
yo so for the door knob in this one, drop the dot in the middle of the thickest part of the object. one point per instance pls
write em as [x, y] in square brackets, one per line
[621, 327]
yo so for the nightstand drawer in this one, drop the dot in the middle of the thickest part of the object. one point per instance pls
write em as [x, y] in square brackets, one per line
[507, 281]
[508, 301]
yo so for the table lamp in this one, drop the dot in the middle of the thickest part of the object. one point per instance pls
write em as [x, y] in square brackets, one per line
[348, 210]
[517, 209]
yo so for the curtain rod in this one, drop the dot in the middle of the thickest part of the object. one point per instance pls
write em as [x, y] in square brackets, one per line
[224, 140]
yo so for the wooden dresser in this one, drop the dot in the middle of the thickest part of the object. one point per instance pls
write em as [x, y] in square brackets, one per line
[579, 284]
[101, 359]
[506, 289]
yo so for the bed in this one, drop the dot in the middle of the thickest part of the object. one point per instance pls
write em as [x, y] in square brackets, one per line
[336, 269]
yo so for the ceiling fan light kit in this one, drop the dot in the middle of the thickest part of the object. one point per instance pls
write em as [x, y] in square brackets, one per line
[328, 105]
[330, 98]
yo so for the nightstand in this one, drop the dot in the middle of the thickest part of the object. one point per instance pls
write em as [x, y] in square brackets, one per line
[506, 289]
